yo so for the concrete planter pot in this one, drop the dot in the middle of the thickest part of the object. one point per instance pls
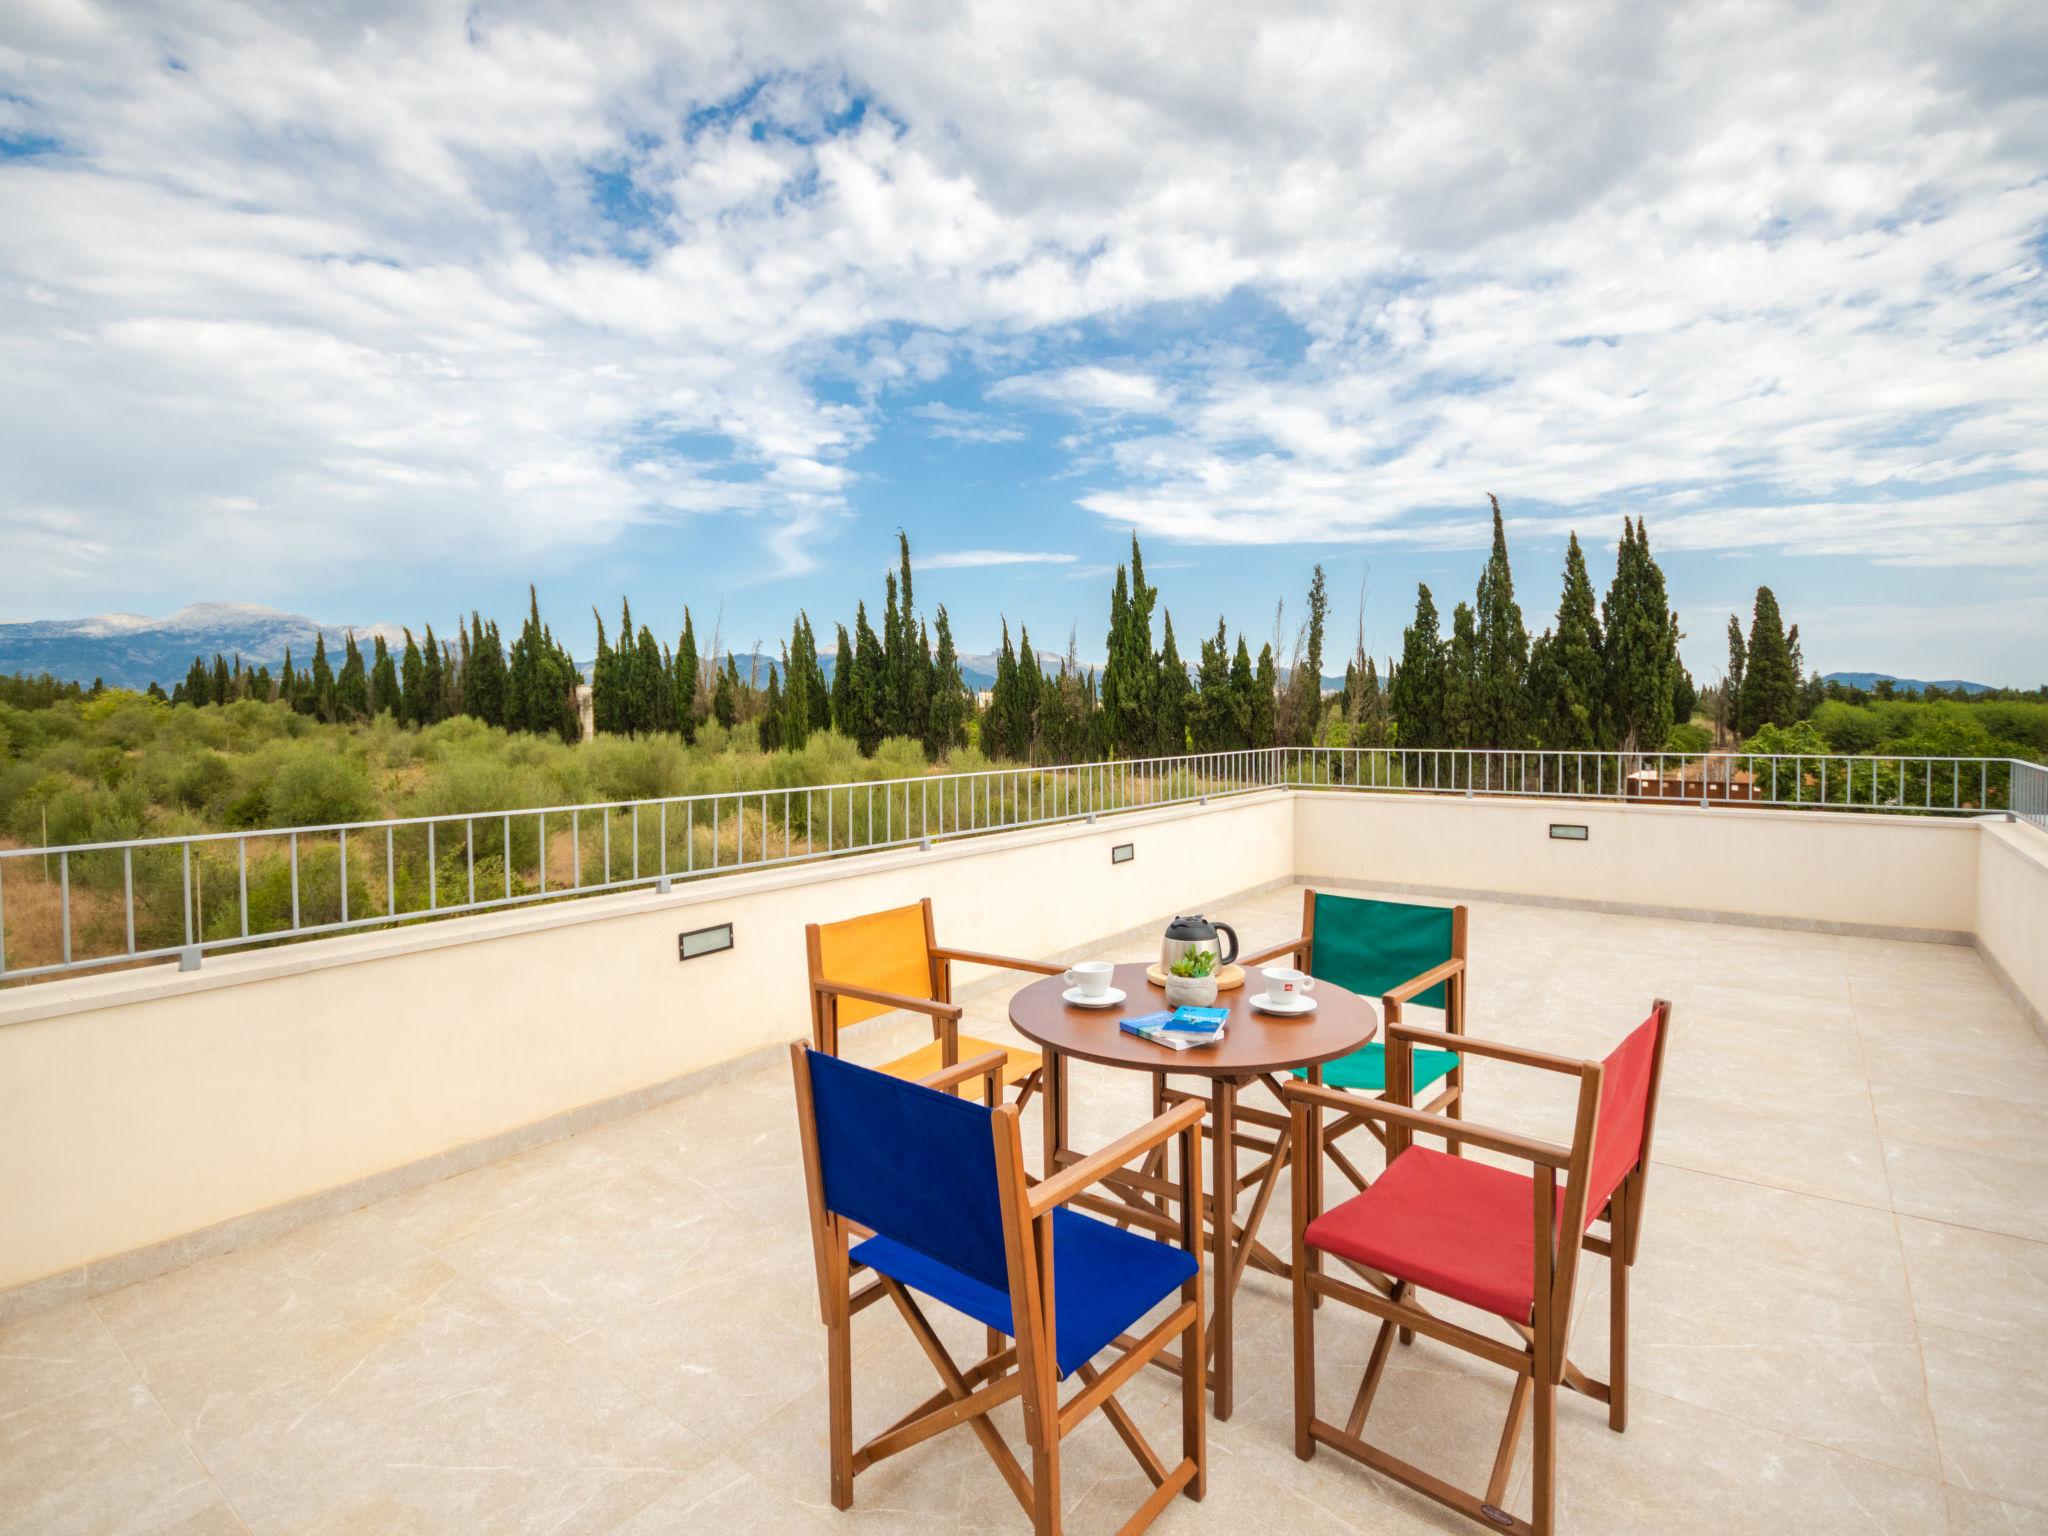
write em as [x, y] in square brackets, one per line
[1191, 991]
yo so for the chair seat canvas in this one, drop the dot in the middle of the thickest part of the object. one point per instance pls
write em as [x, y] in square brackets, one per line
[1104, 1280]
[1365, 1069]
[1460, 1228]
[927, 1059]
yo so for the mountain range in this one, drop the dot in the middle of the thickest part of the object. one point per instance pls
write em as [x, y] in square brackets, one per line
[1869, 680]
[131, 650]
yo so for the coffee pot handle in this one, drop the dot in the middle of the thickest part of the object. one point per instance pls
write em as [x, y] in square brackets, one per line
[1226, 928]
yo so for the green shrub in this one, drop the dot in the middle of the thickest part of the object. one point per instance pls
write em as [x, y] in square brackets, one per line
[314, 785]
[1689, 739]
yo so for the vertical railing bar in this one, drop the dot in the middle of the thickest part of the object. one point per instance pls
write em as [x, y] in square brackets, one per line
[64, 897]
[434, 873]
[469, 853]
[390, 875]
[540, 833]
[295, 882]
[344, 874]
[128, 893]
[186, 850]
[506, 855]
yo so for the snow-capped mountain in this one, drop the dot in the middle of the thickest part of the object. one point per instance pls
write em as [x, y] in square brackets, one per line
[131, 650]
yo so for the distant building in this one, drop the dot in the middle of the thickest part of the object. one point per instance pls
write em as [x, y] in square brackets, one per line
[586, 711]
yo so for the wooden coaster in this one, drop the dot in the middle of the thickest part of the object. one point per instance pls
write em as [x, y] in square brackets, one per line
[1229, 979]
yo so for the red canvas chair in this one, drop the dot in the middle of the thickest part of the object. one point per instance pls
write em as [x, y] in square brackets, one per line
[1497, 1240]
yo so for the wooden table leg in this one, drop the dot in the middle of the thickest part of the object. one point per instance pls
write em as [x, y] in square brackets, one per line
[1054, 1093]
[1223, 1242]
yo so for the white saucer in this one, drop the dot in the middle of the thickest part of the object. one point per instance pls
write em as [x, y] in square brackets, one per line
[1264, 1004]
[1108, 999]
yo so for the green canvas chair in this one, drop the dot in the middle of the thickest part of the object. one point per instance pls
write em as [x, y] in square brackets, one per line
[1401, 953]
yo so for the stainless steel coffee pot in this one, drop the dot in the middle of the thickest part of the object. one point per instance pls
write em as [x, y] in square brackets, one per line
[1197, 932]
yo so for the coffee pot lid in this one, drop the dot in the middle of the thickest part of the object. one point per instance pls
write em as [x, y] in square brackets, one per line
[1194, 926]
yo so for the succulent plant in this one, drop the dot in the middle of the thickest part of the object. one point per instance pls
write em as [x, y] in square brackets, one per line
[1196, 962]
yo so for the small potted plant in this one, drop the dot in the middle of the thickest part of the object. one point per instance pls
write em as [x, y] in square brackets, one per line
[1192, 981]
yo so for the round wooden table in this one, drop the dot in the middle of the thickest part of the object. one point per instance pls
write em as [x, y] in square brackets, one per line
[1256, 1047]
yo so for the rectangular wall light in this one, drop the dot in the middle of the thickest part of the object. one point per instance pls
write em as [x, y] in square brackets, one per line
[1565, 833]
[704, 941]
[1123, 853]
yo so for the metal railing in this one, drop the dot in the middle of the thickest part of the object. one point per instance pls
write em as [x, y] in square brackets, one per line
[79, 906]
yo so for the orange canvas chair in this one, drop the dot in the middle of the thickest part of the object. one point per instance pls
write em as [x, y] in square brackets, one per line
[864, 966]
[1499, 1241]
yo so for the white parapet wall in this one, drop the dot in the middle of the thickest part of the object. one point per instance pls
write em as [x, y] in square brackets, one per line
[151, 1116]
[1907, 876]
[2012, 911]
[140, 1107]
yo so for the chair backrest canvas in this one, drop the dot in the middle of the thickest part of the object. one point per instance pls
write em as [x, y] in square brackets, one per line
[1370, 947]
[1625, 1088]
[910, 1163]
[883, 950]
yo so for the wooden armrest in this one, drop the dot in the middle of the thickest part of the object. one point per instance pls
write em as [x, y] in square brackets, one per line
[1291, 947]
[988, 1064]
[1520, 1055]
[1543, 1153]
[1006, 962]
[1058, 1188]
[1428, 979]
[937, 1010]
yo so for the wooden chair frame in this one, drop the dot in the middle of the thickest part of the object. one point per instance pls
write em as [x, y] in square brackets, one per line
[1541, 1363]
[1026, 1370]
[940, 1008]
[1450, 1102]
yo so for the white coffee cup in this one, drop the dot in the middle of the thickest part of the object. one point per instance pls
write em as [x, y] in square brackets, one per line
[1287, 987]
[1091, 978]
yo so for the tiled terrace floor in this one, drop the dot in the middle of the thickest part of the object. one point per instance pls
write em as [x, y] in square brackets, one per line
[1838, 1320]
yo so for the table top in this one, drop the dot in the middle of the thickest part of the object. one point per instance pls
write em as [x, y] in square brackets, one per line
[1252, 1041]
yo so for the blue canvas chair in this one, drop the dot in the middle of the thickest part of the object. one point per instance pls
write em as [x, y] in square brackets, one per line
[927, 1191]
[1400, 952]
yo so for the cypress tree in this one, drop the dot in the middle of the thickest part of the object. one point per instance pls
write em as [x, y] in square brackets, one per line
[725, 697]
[1416, 691]
[1265, 696]
[1372, 708]
[483, 673]
[683, 682]
[796, 698]
[1305, 710]
[998, 731]
[1130, 676]
[894, 669]
[413, 681]
[1641, 647]
[1243, 695]
[1566, 679]
[842, 685]
[198, 684]
[1210, 725]
[433, 678]
[949, 705]
[1731, 687]
[771, 717]
[604, 683]
[1770, 686]
[383, 679]
[288, 682]
[1500, 704]
[1030, 685]
[260, 686]
[217, 686]
[821, 691]
[323, 680]
[864, 693]
[1175, 694]
[650, 685]
[1461, 680]
[352, 687]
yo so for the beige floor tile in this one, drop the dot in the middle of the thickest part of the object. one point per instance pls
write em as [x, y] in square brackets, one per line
[84, 1447]
[452, 1209]
[1683, 1469]
[1781, 1310]
[1971, 1189]
[1990, 1406]
[1967, 1122]
[1836, 1158]
[1973, 1514]
[1984, 1283]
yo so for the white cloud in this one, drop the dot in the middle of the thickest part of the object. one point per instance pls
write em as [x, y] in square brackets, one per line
[965, 559]
[965, 426]
[1086, 388]
[298, 287]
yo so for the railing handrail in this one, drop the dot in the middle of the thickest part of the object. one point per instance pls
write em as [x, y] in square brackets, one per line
[995, 799]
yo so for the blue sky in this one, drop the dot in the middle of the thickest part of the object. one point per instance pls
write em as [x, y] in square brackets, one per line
[378, 315]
